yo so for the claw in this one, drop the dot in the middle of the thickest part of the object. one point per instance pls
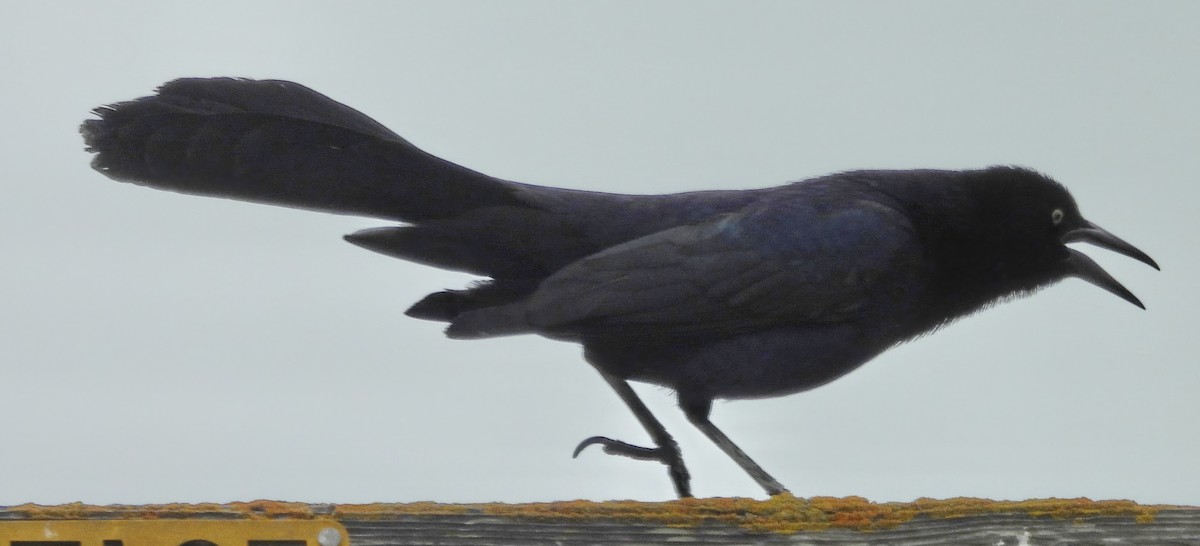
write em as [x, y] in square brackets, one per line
[624, 449]
[667, 455]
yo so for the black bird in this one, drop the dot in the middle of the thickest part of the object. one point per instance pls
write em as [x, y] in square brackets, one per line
[714, 294]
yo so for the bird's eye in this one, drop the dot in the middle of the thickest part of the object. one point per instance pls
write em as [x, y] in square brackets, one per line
[1056, 217]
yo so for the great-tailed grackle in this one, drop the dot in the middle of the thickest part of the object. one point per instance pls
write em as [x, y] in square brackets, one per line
[715, 294]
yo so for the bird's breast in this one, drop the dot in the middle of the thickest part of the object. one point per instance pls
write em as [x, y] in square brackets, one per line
[775, 362]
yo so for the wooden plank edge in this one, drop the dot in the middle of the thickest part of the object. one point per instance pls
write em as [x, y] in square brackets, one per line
[783, 514]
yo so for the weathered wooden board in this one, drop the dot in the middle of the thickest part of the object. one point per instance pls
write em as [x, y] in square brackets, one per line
[781, 520]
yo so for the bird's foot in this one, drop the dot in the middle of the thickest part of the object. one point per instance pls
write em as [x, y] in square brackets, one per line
[667, 454]
[624, 449]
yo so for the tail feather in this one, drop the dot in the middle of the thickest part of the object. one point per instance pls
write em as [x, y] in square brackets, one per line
[277, 98]
[280, 143]
[447, 305]
[505, 242]
[493, 321]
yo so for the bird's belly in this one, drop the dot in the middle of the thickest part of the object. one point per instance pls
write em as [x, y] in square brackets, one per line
[757, 364]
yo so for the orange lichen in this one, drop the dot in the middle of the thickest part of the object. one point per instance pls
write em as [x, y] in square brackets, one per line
[384, 510]
[274, 509]
[260, 509]
[782, 513]
[779, 514]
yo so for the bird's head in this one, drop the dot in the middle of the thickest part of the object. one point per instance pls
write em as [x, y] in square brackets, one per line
[1030, 219]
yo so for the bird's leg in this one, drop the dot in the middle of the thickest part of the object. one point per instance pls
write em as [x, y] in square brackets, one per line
[666, 451]
[697, 413]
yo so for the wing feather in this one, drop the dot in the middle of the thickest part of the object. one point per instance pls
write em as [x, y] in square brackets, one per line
[775, 262]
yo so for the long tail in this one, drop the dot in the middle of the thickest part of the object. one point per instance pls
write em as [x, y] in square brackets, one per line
[280, 143]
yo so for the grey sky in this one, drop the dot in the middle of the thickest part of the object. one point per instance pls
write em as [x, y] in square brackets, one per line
[158, 347]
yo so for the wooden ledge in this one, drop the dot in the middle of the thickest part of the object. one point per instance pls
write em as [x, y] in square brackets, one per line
[782, 519]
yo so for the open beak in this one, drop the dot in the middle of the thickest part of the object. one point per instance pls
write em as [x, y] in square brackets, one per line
[1079, 265]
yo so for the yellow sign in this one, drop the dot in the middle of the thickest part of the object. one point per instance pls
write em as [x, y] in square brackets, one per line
[167, 532]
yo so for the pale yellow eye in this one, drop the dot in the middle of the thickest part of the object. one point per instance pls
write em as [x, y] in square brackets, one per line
[1056, 217]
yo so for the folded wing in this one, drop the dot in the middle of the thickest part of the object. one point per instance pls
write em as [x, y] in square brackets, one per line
[775, 262]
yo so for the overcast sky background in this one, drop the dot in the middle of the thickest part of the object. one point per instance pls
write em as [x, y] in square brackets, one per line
[156, 347]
